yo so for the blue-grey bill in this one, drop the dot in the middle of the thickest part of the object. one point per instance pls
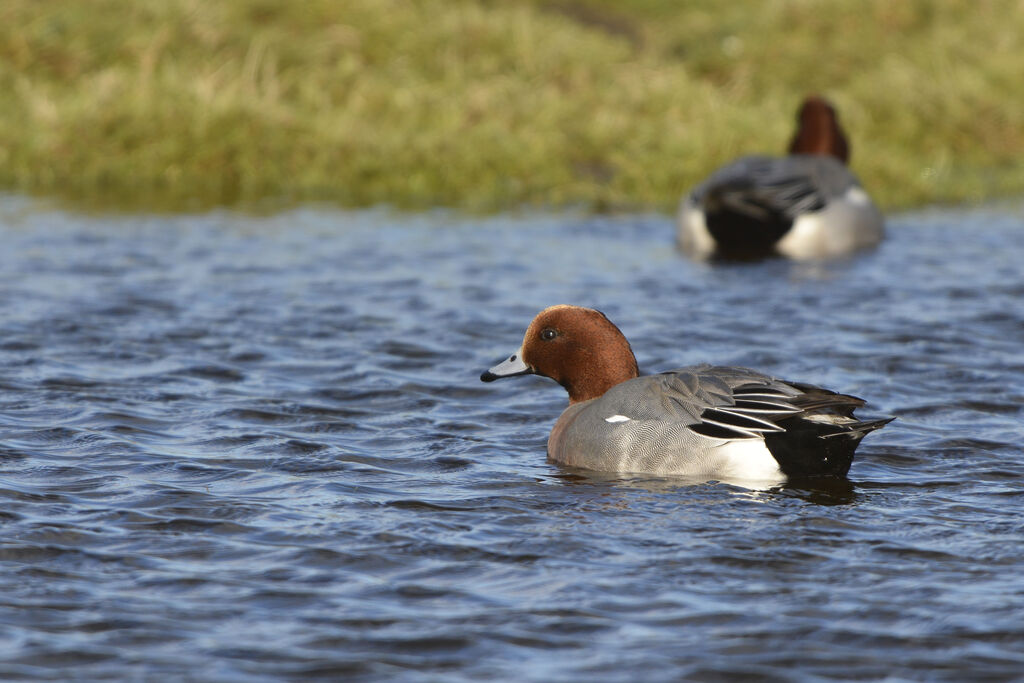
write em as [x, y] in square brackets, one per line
[510, 367]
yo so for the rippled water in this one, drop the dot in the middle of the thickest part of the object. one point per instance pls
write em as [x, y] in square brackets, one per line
[247, 449]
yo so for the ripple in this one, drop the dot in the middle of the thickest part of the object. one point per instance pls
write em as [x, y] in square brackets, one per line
[262, 442]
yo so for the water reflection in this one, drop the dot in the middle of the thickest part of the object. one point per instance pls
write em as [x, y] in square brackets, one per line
[216, 420]
[820, 490]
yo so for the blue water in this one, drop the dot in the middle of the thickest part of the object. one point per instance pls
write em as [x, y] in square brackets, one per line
[256, 448]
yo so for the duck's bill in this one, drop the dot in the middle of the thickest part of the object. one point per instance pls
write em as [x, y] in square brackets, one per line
[510, 367]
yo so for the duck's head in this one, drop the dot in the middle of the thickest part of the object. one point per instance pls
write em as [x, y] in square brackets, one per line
[577, 347]
[818, 130]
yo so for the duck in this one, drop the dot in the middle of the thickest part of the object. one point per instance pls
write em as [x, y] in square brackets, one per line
[708, 422]
[806, 205]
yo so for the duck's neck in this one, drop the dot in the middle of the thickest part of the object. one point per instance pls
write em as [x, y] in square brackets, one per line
[598, 373]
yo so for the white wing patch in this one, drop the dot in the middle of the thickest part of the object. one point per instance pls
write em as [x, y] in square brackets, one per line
[617, 418]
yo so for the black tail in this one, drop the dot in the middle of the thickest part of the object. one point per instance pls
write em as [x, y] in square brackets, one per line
[812, 448]
[742, 227]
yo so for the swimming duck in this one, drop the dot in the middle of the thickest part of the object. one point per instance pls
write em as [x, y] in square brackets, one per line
[807, 205]
[726, 423]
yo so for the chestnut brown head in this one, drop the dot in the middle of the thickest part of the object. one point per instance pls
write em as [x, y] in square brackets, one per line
[818, 131]
[577, 347]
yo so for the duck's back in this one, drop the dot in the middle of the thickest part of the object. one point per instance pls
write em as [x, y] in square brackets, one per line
[714, 422]
[801, 205]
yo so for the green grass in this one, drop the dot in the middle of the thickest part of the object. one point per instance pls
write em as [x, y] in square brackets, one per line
[491, 104]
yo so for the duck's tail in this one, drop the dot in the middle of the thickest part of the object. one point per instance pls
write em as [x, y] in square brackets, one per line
[819, 445]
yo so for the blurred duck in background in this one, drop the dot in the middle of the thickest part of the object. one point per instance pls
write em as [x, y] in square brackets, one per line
[804, 206]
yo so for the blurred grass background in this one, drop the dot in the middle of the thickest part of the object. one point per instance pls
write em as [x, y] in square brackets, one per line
[491, 104]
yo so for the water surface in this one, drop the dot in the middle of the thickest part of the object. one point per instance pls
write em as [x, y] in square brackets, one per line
[237, 448]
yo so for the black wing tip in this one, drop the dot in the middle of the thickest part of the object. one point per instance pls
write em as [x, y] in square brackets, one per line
[871, 425]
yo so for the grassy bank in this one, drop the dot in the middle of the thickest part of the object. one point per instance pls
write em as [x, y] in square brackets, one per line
[487, 104]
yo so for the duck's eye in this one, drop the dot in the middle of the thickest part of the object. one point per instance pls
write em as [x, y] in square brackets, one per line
[548, 334]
